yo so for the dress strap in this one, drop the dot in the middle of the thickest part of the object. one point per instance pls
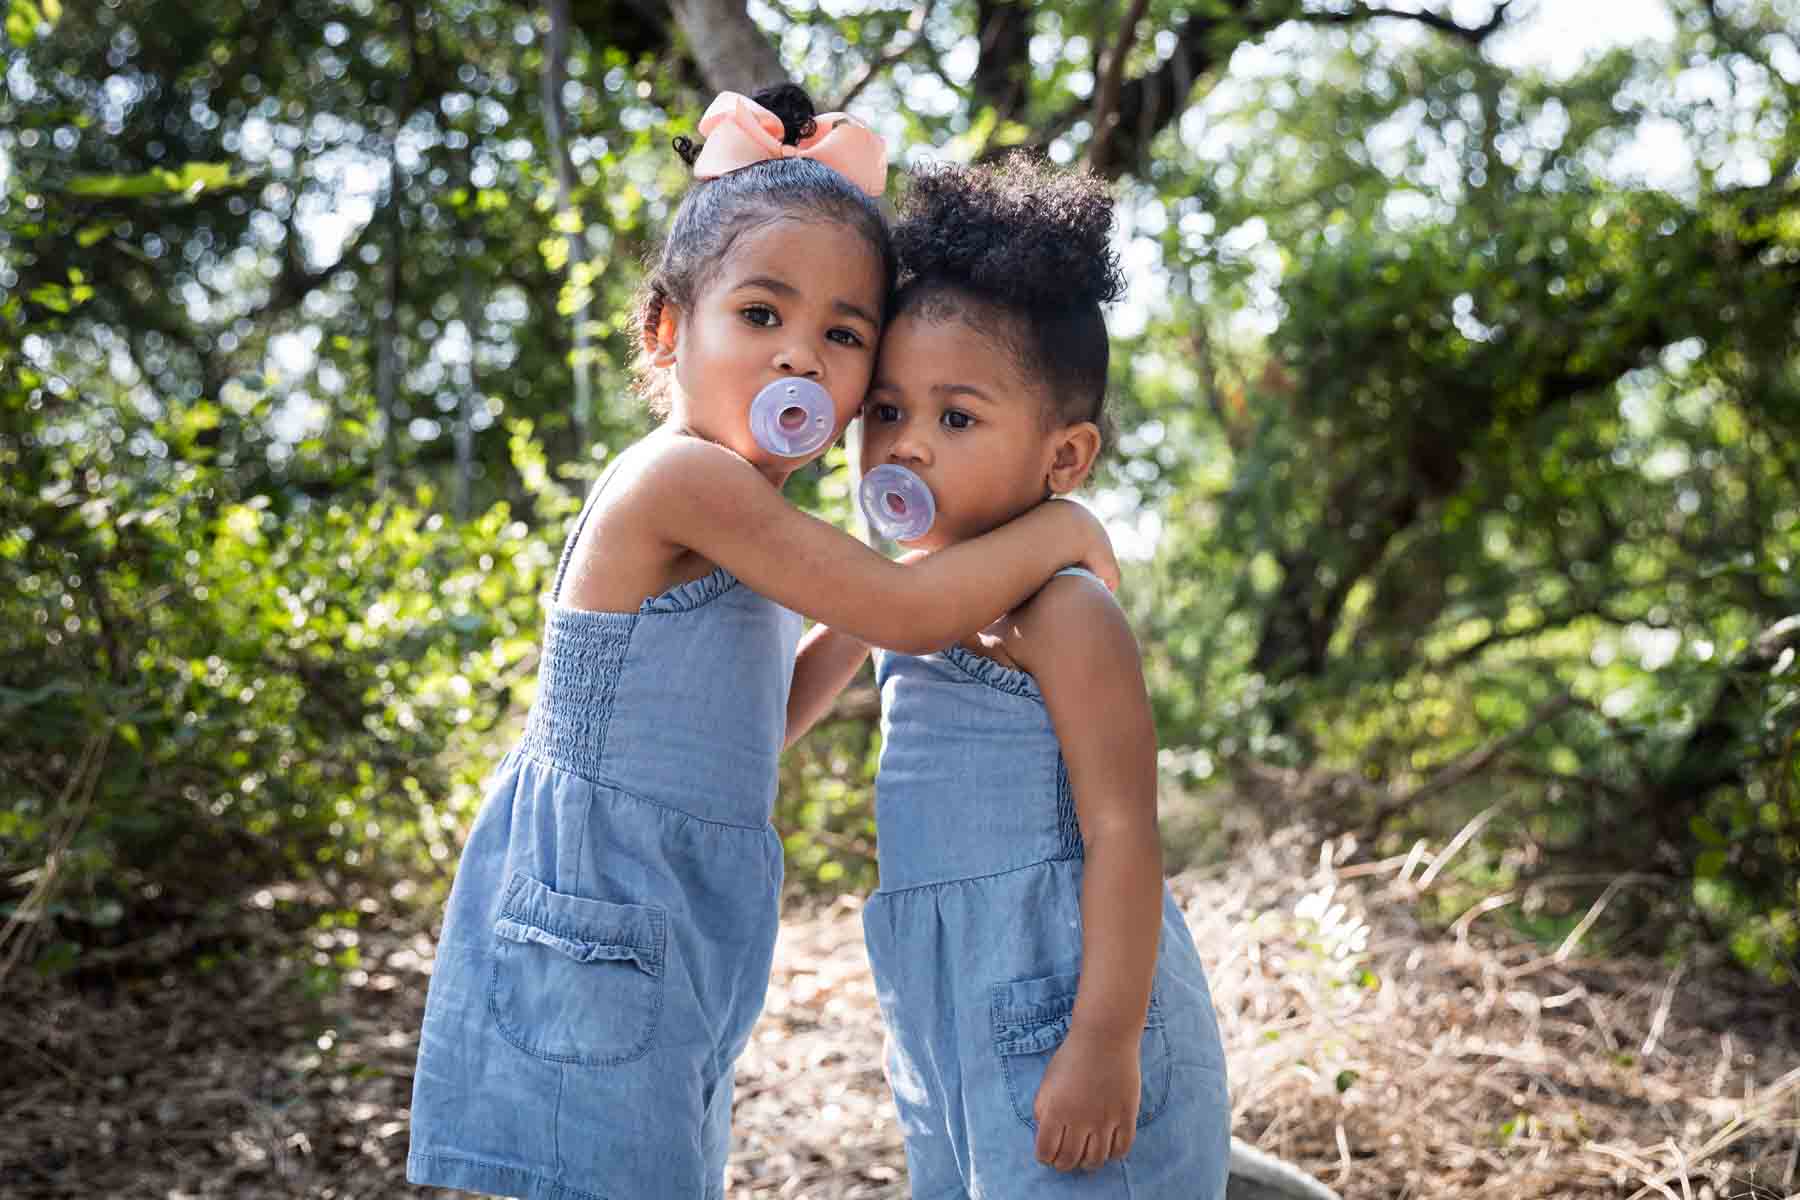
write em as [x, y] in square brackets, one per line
[587, 507]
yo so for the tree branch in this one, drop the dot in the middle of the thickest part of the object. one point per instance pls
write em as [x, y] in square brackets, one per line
[1474, 35]
[1551, 621]
[1473, 762]
[875, 68]
[1150, 103]
[1206, 365]
[1106, 95]
[555, 75]
[1003, 67]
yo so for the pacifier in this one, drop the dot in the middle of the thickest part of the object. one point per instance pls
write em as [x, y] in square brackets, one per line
[897, 503]
[792, 418]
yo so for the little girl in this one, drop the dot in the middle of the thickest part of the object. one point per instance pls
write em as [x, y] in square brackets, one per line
[1041, 1042]
[607, 941]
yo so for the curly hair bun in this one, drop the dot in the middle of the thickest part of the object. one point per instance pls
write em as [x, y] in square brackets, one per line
[790, 102]
[1024, 232]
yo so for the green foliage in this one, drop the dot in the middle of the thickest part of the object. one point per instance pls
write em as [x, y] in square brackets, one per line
[826, 809]
[1510, 482]
[272, 688]
[1469, 445]
[188, 182]
[26, 18]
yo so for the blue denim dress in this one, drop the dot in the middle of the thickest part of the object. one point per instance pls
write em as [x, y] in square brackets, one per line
[975, 941]
[607, 942]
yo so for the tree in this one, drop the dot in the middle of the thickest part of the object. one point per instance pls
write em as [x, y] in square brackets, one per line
[1472, 451]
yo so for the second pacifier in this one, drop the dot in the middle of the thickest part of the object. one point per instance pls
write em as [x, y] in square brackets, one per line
[897, 503]
[792, 418]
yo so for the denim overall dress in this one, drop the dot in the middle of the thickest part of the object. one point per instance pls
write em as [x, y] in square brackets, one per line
[607, 942]
[975, 940]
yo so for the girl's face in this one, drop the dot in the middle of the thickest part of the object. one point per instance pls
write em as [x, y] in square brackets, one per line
[951, 405]
[792, 297]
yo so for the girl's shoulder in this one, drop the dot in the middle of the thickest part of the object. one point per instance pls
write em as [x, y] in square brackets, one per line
[667, 456]
[621, 554]
[1073, 618]
[1073, 593]
[647, 473]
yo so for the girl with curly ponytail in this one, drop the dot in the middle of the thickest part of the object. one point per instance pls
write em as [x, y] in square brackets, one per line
[1050, 1032]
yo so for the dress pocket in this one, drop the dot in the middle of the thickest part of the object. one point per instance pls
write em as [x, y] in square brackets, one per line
[576, 980]
[1031, 1019]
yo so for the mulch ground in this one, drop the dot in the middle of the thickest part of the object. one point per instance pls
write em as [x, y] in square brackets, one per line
[1385, 1060]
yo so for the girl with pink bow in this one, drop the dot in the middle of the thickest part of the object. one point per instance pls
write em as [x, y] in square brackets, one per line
[607, 941]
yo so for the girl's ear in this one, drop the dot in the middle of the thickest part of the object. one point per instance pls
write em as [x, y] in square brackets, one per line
[1072, 456]
[660, 342]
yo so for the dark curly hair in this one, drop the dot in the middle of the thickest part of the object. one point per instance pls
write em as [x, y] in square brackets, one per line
[716, 212]
[1021, 249]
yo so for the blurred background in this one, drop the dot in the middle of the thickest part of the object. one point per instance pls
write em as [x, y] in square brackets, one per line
[1459, 382]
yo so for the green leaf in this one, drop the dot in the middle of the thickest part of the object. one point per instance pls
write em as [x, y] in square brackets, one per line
[52, 296]
[188, 182]
[20, 28]
[1705, 831]
[197, 417]
[57, 957]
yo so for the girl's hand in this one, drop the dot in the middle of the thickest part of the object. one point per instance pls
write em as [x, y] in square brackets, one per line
[1087, 1106]
[1092, 549]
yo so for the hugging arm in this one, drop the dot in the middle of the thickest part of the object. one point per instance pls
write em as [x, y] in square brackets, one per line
[708, 500]
[826, 663]
[824, 666]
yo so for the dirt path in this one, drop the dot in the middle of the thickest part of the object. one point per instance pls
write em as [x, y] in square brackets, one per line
[1386, 1062]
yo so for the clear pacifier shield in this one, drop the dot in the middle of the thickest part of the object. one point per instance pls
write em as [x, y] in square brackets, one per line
[792, 418]
[897, 503]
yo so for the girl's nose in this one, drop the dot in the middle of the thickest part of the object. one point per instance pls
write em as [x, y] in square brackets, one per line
[908, 449]
[797, 361]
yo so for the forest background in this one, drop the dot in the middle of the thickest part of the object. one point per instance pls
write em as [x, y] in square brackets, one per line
[1459, 384]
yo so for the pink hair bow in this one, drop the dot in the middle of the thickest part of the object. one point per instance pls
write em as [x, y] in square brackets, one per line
[740, 132]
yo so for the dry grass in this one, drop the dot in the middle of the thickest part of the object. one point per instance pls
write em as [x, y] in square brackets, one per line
[1386, 1062]
[1394, 1064]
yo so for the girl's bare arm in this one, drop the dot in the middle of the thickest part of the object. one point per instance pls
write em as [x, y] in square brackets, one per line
[828, 660]
[704, 498]
[1076, 643]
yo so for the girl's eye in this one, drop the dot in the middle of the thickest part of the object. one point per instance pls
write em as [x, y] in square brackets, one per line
[761, 314]
[885, 413]
[956, 418]
[845, 337]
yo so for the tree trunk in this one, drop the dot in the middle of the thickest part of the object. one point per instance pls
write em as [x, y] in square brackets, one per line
[387, 348]
[1003, 69]
[471, 395]
[387, 351]
[734, 55]
[556, 73]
